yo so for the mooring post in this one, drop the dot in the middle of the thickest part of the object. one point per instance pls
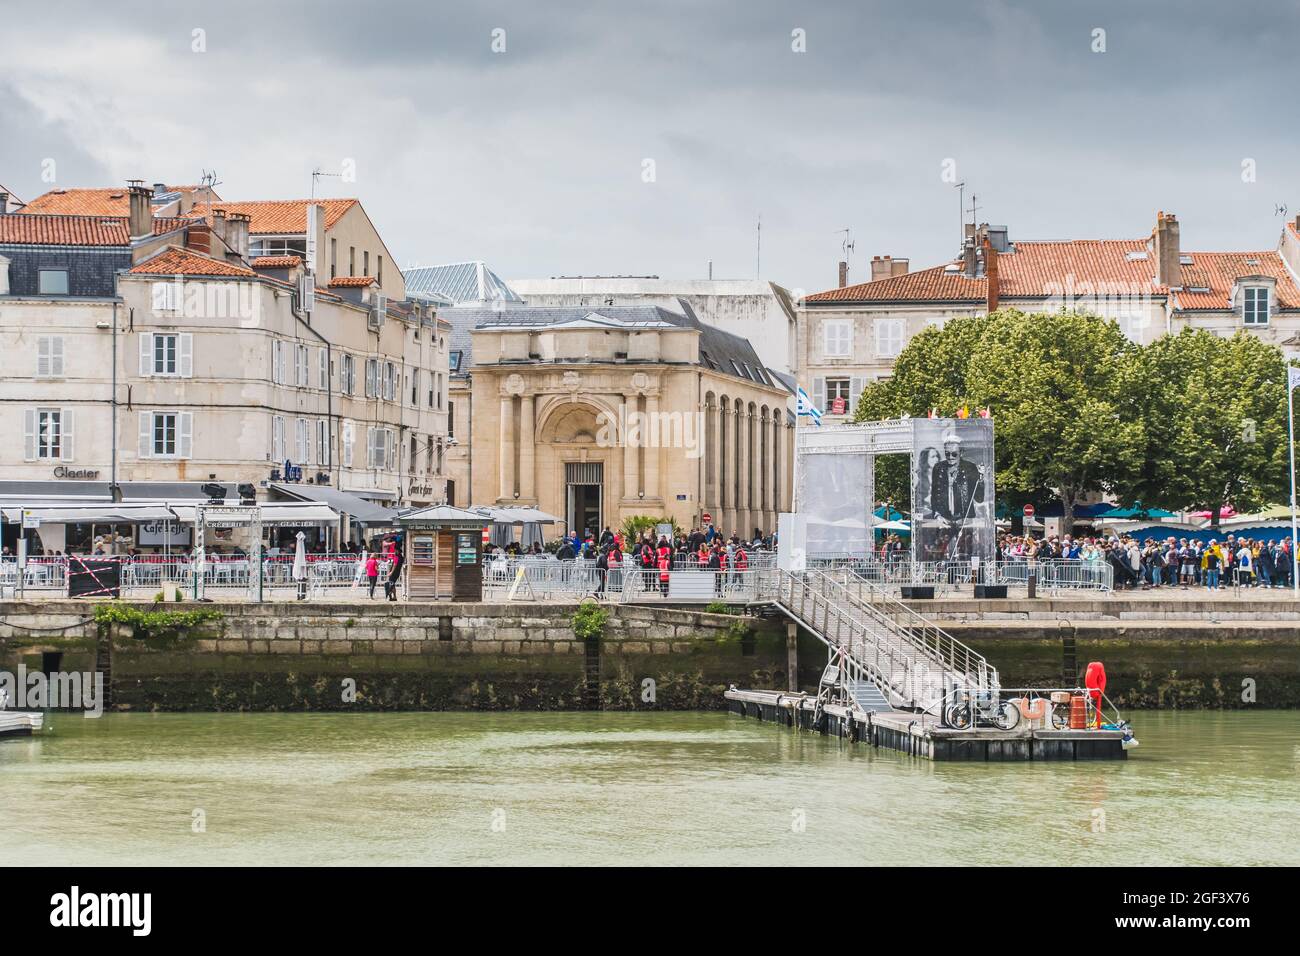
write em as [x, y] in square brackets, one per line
[792, 655]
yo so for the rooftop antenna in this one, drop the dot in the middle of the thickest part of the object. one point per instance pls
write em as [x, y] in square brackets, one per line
[846, 244]
[961, 211]
[973, 206]
[758, 257]
[316, 174]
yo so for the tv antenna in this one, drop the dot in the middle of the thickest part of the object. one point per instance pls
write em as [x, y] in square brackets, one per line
[847, 244]
[316, 174]
[973, 207]
[758, 253]
[961, 211]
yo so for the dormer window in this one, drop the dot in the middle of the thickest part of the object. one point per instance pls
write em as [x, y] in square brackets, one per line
[1254, 305]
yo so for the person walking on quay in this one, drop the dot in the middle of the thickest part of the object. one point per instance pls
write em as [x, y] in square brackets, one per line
[1210, 562]
[1245, 565]
[740, 564]
[372, 571]
[648, 560]
[715, 565]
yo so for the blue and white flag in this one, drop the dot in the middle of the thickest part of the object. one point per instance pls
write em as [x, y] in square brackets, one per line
[1292, 377]
[805, 408]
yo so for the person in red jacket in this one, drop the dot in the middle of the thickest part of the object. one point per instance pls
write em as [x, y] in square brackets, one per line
[647, 565]
[740, 563]
[664, 554]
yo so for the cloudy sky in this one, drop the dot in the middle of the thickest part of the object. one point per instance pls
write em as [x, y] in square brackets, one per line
[536, 157]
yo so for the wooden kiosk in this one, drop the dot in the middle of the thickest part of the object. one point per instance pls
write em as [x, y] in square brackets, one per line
[444, 554]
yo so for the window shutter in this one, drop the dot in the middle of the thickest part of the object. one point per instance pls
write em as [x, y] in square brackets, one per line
[322, 442]
[371, 370]
[324, 377]
[185, 446]
[819, 393]
[347, 444]
[65, 429]
[855, 390]
[187, 355]
[56, 356]
[29, 434]
[146, 435]
[42, 356]
[391, 439]
[146, 354]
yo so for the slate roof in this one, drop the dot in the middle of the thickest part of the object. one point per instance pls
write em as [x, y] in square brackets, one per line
[720, 351]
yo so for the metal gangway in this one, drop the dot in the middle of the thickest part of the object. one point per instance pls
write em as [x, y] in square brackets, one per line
[882, 654]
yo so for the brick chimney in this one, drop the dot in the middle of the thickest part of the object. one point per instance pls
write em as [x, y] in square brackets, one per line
[844, 274]
[219, 231]
[198, 236]
[140, 212]
[1164, 245]
[991, 274]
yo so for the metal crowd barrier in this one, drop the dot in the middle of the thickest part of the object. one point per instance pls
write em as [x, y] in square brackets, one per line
[1052, 574]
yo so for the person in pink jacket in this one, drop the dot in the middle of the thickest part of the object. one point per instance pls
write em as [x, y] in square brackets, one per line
[372, 570]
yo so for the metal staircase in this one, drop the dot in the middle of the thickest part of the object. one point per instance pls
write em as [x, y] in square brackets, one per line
[883, 655]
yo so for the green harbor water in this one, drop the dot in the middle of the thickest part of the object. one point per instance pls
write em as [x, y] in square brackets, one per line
[616, 788]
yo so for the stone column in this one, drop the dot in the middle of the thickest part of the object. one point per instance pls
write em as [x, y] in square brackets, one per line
[506, 448]
[631, 458]
[527, 449]
[746, 448]
[727, 500]
[650, 441]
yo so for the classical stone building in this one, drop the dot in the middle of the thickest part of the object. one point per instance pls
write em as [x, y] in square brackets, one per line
[597, 415]
[754, 309]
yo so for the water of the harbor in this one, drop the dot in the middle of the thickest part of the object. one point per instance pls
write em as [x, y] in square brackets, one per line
[622, 788]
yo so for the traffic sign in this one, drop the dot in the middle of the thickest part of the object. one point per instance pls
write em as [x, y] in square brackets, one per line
[1029, 511]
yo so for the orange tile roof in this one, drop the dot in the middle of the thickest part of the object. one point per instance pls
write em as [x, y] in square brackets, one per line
[351, 282]
[174, 261]
[112, 201]
[276, 262]
[925, 285]
[278, 216]
[1084, 268]
[64, 230]
[1217, 273]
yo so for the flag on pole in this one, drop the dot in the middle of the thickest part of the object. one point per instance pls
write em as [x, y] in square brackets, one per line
[986, 412]
[805, 408]
[963, 412]
[1292, 377]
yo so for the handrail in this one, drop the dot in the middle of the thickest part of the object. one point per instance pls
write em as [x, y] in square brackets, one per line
[951, 652]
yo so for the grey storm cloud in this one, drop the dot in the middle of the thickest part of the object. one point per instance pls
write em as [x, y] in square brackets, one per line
[534, 158]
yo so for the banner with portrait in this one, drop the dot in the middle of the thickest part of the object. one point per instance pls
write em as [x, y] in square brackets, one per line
[952, 490]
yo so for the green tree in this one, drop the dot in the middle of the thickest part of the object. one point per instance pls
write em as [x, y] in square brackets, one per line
[1064, 425]
[1216, 429]
[1055, 384]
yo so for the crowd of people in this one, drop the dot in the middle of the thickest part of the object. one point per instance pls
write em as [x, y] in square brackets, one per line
[655, 556]
[1166, 562]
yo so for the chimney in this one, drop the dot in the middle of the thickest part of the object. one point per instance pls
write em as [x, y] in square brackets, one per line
[900, 267]
[1164, 242]
[879, 268]
[237, 233]
[198, 236]
[991, 274]
[844, 274]
[970, 261]
[219, 231]
[4, 203]
[140, 216]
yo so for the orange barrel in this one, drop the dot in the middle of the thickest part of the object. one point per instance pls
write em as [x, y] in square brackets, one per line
[1078, 712]
[1095, 681]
